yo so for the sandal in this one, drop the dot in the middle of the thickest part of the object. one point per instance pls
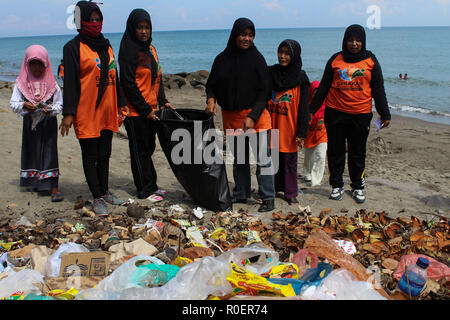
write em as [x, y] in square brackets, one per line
[155, 198]
[57, 197]
[161, 192]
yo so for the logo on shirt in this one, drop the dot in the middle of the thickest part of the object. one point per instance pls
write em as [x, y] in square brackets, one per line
[284, 98]
[112, 64]
[349, 74]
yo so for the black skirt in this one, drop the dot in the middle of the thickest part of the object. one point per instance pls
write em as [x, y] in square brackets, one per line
[39, 159]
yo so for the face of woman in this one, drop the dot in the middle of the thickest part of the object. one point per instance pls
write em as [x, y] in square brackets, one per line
[354, 44]
[284, 57]
[245, 39]
[143, 31]
[37, 68]
[95, 17]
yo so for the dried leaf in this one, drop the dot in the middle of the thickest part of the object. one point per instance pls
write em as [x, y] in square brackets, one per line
[390, 264]
[357, 235]
[372, 248]
[416, 236]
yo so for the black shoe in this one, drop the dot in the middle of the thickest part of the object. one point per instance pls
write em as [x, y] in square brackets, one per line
[235, 200]
[267, 205]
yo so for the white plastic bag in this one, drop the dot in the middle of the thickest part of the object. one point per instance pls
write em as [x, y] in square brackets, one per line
[340, 284]
[53, 265]
[20, 281]
[5, 265]
[196, 280]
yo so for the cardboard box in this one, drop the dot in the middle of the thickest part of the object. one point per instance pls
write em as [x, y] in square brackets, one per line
[85, 264]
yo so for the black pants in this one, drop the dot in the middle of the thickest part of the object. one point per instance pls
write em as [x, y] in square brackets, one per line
[352, 129]
[96, 153]
[141, 139]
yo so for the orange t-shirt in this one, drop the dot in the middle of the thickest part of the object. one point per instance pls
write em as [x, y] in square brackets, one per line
[284, 111]
[235, 119]
[317, 134]
[350, 90]
[89, 121]
[144, 82]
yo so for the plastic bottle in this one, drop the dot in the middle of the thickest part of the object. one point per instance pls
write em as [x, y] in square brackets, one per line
[417, 276]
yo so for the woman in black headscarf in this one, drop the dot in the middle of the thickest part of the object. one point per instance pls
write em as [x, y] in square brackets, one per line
[92, 100]
[352, 78]
[290, 116]
[140, 78]
[240, 83]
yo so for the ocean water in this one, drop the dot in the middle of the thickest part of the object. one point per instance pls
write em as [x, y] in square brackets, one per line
[421, 52]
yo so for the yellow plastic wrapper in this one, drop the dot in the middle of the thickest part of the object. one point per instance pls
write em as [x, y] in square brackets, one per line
[284, 270]
[8, 246]
[60, 294]
[182, 261]
[219, 233]
[250, 284]
[195, 236]
[252, 236]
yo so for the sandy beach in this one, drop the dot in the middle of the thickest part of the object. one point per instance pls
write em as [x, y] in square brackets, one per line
[407, 171]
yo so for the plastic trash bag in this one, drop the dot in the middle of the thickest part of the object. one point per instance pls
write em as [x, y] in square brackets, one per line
[312, 277]
[436, 270]
[23, 281]
[207, 184]
[153, 275]
[340, 284]
[194, 281]
[4, 263]
[53, 265]
[320, 244]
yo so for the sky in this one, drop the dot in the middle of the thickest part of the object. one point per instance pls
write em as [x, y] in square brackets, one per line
[50, 17]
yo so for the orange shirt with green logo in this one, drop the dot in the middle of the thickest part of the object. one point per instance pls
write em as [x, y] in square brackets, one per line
[350, 90]
[144, 82]
[90, 121]
[284, 112]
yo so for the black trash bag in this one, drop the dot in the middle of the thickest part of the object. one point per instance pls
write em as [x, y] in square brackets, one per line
[207, 184]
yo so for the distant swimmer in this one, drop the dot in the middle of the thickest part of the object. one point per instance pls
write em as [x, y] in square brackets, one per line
[405, 77]
[400, 76]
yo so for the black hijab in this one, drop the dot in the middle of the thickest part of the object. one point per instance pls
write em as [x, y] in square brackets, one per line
[239, 78]
[133, 50]
[359, 32]
[99, 44]
[284, 78]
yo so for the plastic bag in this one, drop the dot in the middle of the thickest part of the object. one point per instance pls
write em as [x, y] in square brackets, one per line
[312, 277]
[53, 265]
[340, 284]
[153, 275]
[195, 281]
[4, 263]
[207, 184]
[304, 260]
[436, 270]
[323, 246]
[22, 281]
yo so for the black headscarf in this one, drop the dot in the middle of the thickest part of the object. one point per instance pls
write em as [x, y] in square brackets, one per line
[284, 78]
[239, 78]
[359, 32]
[99, 44]
[134, 51]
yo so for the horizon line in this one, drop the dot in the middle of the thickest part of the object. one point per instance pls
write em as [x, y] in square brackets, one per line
[221, 29]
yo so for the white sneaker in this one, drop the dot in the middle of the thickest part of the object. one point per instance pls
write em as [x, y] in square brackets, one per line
[337, 193]
[359, 195]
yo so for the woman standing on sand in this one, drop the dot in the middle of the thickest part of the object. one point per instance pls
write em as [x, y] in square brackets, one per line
[352, 78]
[315, 144]
[92, 98]
[140, 78]
[38, 99]
[240, 83]
[289, 111]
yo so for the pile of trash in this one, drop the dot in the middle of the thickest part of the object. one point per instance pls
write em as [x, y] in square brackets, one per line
[183, 254]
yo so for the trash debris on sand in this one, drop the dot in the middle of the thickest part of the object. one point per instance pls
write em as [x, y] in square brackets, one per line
[160, 253]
